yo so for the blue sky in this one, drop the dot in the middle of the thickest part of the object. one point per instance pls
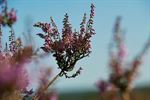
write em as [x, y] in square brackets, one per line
[136, 21]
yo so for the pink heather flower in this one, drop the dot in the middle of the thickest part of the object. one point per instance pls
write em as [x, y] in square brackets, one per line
[12, 16]
[22, 77]
[7, 74]
[46, 27]
[116, 66]
[103, 86]
[68, 40]
[7, 18]
[12, 71]
[122, 53]
[47, 44]
[13, 74]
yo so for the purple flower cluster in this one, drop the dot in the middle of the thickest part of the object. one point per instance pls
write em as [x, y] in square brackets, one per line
[7, 18]
[13, 57]
[13, 74]
[121, 76]
[70, 46]
[102, 85]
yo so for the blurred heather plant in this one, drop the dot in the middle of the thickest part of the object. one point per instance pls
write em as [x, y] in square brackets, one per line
[13, 77]
[7, 18]
[69, 46]
[13, 74]
[121, 77]
[14, 57]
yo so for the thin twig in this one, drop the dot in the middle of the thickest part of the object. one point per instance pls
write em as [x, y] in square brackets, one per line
[36, 97]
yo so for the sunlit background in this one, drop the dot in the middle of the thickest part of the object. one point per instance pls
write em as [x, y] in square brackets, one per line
[136, 23]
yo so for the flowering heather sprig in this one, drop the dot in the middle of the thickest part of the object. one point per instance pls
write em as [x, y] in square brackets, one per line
[7, 18]
[13, 74]
[121, 78]
[12, 62]
[70, 46]
[12, 40]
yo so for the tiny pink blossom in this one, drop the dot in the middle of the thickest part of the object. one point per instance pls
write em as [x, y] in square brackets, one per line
[122, 51]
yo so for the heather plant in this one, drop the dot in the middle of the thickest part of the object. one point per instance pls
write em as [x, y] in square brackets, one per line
[7, 18]
[14, 59]
[122, 73]
[12, 76]
[68, 47]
